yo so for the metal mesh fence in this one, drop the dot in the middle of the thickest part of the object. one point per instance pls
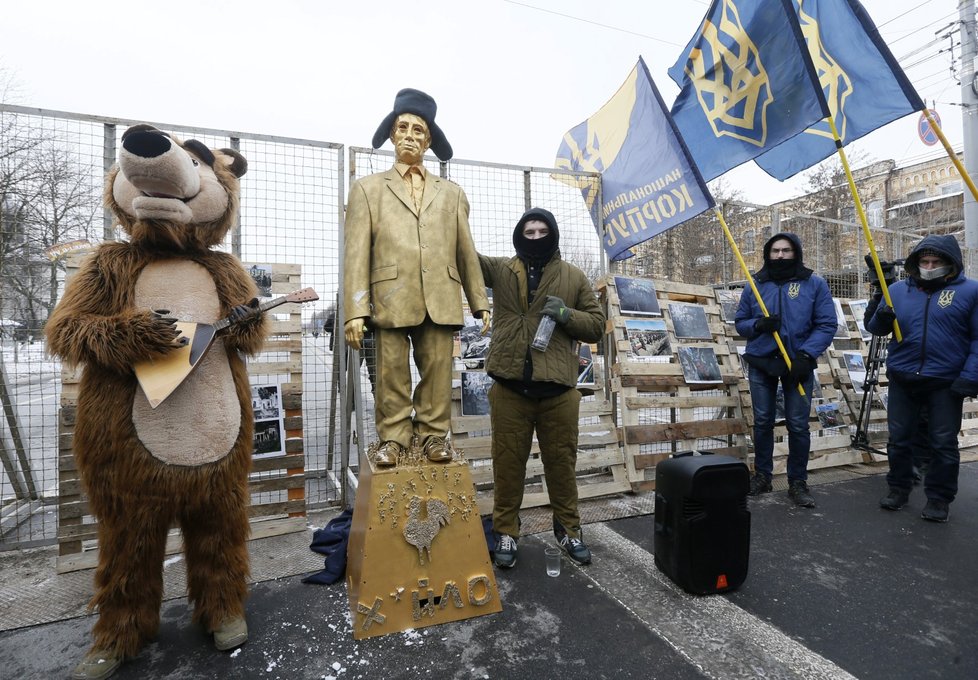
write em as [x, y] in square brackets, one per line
[498, 195]
[52, 169]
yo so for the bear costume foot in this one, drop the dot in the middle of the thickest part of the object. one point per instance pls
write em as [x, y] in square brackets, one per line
[97, 664]
[231, 633]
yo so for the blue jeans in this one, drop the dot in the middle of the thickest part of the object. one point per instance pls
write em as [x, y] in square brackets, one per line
[943, 409]
[797, 408]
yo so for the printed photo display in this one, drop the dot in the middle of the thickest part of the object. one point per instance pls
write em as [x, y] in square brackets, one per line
[585, 369]
[699, 365]
[647, 339]
[266, 402]
[475, 393]
[637, 296]
[842, 327]
[857, 370]
[829, 416]
[473, 345]
[728, 300]
[689, 321]
[858, 308]
[261, 274]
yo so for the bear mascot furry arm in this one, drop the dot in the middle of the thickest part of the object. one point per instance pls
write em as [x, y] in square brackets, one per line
[186, 461]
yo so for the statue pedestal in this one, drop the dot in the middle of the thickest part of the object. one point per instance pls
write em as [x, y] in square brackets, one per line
[417, 553]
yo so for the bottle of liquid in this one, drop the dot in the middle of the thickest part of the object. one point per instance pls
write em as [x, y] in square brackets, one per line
[541, 339]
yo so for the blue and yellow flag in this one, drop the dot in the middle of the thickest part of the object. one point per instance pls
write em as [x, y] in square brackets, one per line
[863, 84]
[648, 181]
[746, 84]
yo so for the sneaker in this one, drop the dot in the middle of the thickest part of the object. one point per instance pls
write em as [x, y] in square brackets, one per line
[759, 483]
[798, 492]
[96, 665]
[574, 547]
[896, 499]
[935, 511]
[504, 556]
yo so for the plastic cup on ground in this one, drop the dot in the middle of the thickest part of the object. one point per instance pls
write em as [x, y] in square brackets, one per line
[553, 560]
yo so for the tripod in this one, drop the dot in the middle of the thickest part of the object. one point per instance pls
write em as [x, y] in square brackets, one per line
[874, 361]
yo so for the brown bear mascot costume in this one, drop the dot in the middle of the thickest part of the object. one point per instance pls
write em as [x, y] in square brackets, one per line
[186, 461]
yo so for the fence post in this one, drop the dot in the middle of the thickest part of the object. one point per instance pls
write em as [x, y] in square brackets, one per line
[108, 160]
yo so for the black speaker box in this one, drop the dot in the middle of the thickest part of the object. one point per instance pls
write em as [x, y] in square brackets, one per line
[702, 525]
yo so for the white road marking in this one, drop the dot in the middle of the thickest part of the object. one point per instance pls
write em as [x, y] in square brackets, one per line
[715, 635]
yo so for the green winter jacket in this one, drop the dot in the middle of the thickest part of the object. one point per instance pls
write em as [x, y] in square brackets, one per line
[514, 322]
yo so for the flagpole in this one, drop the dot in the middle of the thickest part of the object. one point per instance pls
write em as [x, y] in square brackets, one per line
[950, 154]
[753, 287]
[862, 218]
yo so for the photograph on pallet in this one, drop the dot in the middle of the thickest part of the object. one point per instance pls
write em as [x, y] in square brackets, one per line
[475, 393]
[637, 296]
[842, 328]
[648, 340]
[700, 365]
[473, 345]
[729, 300]
[858, 308]
[261, 274]
[829, 415]
[689, 321]
[585, 367]
[269, 437]
[856, 367]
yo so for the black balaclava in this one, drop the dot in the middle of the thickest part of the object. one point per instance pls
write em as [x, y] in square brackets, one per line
[783, 270]
[536, 253]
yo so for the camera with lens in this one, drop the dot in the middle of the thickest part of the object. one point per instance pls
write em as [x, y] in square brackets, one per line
[889, 273]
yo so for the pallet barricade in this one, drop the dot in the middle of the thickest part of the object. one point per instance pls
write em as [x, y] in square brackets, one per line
[677, 389]
[277, 481]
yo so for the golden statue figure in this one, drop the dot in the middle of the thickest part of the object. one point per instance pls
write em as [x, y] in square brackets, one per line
[408, 255]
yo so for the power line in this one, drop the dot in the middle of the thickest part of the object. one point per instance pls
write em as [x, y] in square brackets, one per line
[594, 23]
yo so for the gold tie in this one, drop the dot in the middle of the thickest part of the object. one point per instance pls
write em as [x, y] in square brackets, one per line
[417, 187]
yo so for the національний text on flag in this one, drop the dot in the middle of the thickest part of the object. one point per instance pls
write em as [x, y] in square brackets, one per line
[648, 181]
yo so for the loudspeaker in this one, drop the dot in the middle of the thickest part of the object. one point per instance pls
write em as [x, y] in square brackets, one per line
[702, 525]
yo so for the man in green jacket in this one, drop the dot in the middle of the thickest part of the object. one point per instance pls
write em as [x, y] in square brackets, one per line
[533, 389]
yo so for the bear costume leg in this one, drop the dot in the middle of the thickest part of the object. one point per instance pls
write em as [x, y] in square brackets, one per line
[215, 534]
[129, 577]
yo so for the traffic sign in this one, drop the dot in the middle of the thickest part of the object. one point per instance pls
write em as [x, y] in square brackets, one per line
[927, 134]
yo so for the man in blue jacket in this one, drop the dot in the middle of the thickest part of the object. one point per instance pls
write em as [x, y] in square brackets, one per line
[932, 369]
[801, 311]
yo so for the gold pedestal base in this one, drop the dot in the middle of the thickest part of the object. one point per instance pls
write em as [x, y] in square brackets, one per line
[417, 554]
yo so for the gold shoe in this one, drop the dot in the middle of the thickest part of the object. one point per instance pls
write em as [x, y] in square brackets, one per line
[96, 665]
[231, 633]
[437, 450]
[386, 455]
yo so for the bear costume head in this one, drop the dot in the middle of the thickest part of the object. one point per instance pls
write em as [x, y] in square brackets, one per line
[173, 195]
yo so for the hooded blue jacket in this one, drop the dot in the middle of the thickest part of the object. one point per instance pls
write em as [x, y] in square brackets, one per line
[938, 320]
[803, 301]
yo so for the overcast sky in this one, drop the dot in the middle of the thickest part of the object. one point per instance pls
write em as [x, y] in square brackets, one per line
[509, 77]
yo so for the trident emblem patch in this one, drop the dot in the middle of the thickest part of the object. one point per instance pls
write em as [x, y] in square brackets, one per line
[793, 290]
[946, 298]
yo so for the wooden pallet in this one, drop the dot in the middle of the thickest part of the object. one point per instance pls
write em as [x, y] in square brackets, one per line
[277, 482]
[660, 412]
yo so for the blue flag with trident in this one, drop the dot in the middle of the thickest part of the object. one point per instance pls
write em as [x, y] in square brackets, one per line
[648, 182]
[746, 84]
[863, 84]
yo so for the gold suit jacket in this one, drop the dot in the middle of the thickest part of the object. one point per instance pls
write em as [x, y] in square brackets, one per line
[399, 265]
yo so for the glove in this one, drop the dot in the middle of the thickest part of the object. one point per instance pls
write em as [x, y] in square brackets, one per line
[242, 312]
[801, 367]
[885, 315]
[554, 307]
[964, 388]
[768, 324]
